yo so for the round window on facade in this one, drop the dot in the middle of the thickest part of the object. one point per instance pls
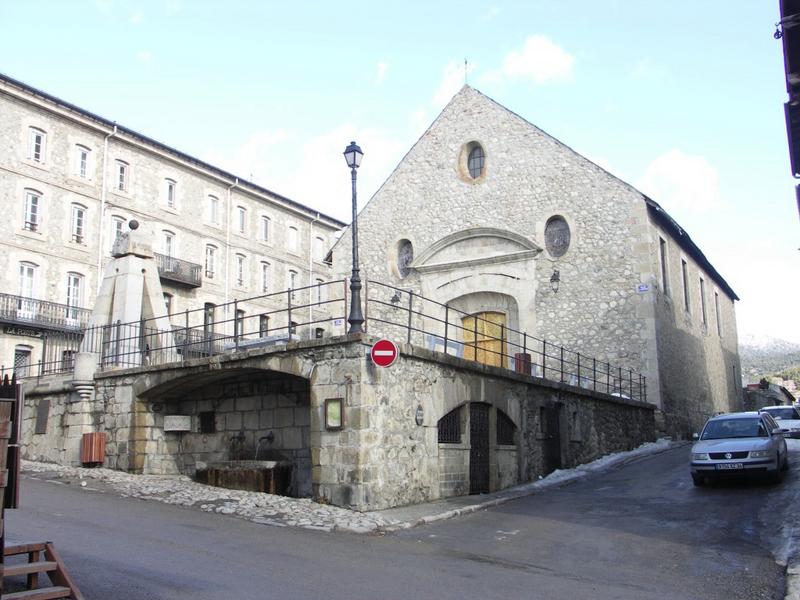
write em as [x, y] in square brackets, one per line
[405, 256]
[556, 236]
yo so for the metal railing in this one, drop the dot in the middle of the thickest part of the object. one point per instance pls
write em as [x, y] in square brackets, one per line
[179, 271]
[42, 313]
[320, 310]
[262, 321]
[401, 314]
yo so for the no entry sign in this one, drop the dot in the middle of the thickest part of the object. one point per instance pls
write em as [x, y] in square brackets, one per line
[384, 353]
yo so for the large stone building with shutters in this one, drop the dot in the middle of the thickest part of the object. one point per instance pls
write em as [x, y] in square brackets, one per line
[70, 180]
[527, 243]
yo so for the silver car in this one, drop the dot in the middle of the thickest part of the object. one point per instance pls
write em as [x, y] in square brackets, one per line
[788, 417]
[747, 443]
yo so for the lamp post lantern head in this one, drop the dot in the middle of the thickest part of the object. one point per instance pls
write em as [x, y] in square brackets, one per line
[353, 154]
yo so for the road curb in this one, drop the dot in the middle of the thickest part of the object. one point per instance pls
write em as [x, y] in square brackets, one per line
[507, 496]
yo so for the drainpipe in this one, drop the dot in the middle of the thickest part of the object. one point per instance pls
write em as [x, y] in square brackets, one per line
[311, 273]
[103, 210]
[228, 245]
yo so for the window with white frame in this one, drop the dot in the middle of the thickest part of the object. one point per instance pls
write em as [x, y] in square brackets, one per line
[719, 316]
[685, 278]
[211, 260]
[123, 175]
[321, 291]
[74, 295]
[36, 144]
[240, 270]
[82, 158]
[212, 210]
[319, 248]
[263, 325]
[704, 313]
[662, 256]
[27, 279]
[117, 227]
[78, 224]
[291, 281]
[170, 187]
[168, 303]
[264, 277]
[241, 219]
[168, 247]
[239, 321]
[32, 210]
[263, 229]
[291, 239]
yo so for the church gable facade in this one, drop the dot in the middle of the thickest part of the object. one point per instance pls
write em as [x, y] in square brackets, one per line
[491, 216]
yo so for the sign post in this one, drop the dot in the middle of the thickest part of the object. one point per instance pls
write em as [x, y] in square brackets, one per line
[384, 353]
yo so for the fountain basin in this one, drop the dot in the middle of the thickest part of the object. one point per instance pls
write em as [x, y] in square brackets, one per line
[268, 476]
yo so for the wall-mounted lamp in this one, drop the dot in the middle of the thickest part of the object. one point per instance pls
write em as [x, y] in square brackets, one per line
[555, 280]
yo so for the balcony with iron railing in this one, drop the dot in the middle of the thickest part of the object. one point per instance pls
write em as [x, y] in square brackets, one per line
[19, 310]
[179, 271]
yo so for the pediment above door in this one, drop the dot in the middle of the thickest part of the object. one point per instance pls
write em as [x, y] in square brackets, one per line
[475, 247]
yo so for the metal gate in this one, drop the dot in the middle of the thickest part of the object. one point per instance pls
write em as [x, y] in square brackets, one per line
[479, 448]
[552, 437]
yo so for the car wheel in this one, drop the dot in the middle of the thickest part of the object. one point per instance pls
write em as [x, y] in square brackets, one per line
[698, 480]
[777, 476]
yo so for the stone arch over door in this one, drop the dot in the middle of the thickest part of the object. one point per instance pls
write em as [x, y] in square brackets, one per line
[487, 324]
[475, 455]
[482, 260]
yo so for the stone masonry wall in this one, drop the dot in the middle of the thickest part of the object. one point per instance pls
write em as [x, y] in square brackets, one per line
[529, 178]
[381, 457]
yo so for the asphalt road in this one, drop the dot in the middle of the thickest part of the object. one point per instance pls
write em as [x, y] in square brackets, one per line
[639, 532]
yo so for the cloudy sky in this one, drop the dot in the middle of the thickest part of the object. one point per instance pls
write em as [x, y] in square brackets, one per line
[682, 99]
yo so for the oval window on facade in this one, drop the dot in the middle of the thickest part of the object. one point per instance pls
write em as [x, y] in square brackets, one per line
[475, 161]
[405, 256]
[556, 236]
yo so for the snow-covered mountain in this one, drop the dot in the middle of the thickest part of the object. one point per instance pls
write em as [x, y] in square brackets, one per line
[763, 355]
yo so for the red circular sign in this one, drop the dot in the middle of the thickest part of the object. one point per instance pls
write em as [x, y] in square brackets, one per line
[384, 353]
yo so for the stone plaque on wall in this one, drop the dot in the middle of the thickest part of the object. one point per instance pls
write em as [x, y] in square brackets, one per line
[177, 423]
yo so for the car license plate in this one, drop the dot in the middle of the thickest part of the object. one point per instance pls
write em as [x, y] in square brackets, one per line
[729, 466]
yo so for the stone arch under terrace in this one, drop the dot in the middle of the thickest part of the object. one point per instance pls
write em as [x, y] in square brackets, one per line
[228, 423]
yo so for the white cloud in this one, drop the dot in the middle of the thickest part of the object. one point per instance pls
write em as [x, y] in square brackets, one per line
[136, 18]
[453, 79]
[681, 182]
[314, 173]
[144, 56]
[380, 73]
[539, 60]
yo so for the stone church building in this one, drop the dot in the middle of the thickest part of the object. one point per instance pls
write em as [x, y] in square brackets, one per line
[507, 226]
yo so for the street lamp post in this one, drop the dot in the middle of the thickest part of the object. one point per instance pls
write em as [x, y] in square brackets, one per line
[352, 155]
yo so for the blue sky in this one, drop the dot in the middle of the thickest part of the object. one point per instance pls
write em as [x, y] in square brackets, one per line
[684, 99]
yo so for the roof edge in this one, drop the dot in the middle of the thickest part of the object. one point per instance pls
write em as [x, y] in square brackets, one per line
[241, 181]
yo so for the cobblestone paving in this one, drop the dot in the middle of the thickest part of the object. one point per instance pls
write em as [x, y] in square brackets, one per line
[267, 509]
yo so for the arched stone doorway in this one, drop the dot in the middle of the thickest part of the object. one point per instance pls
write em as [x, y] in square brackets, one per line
[478, 450]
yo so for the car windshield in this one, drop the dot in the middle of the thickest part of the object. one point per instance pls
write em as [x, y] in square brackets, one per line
[782, 412]
[733, 428]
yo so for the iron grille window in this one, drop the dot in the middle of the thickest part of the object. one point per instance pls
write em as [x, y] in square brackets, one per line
[450, 427]
[208, 422]
[505, 429]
